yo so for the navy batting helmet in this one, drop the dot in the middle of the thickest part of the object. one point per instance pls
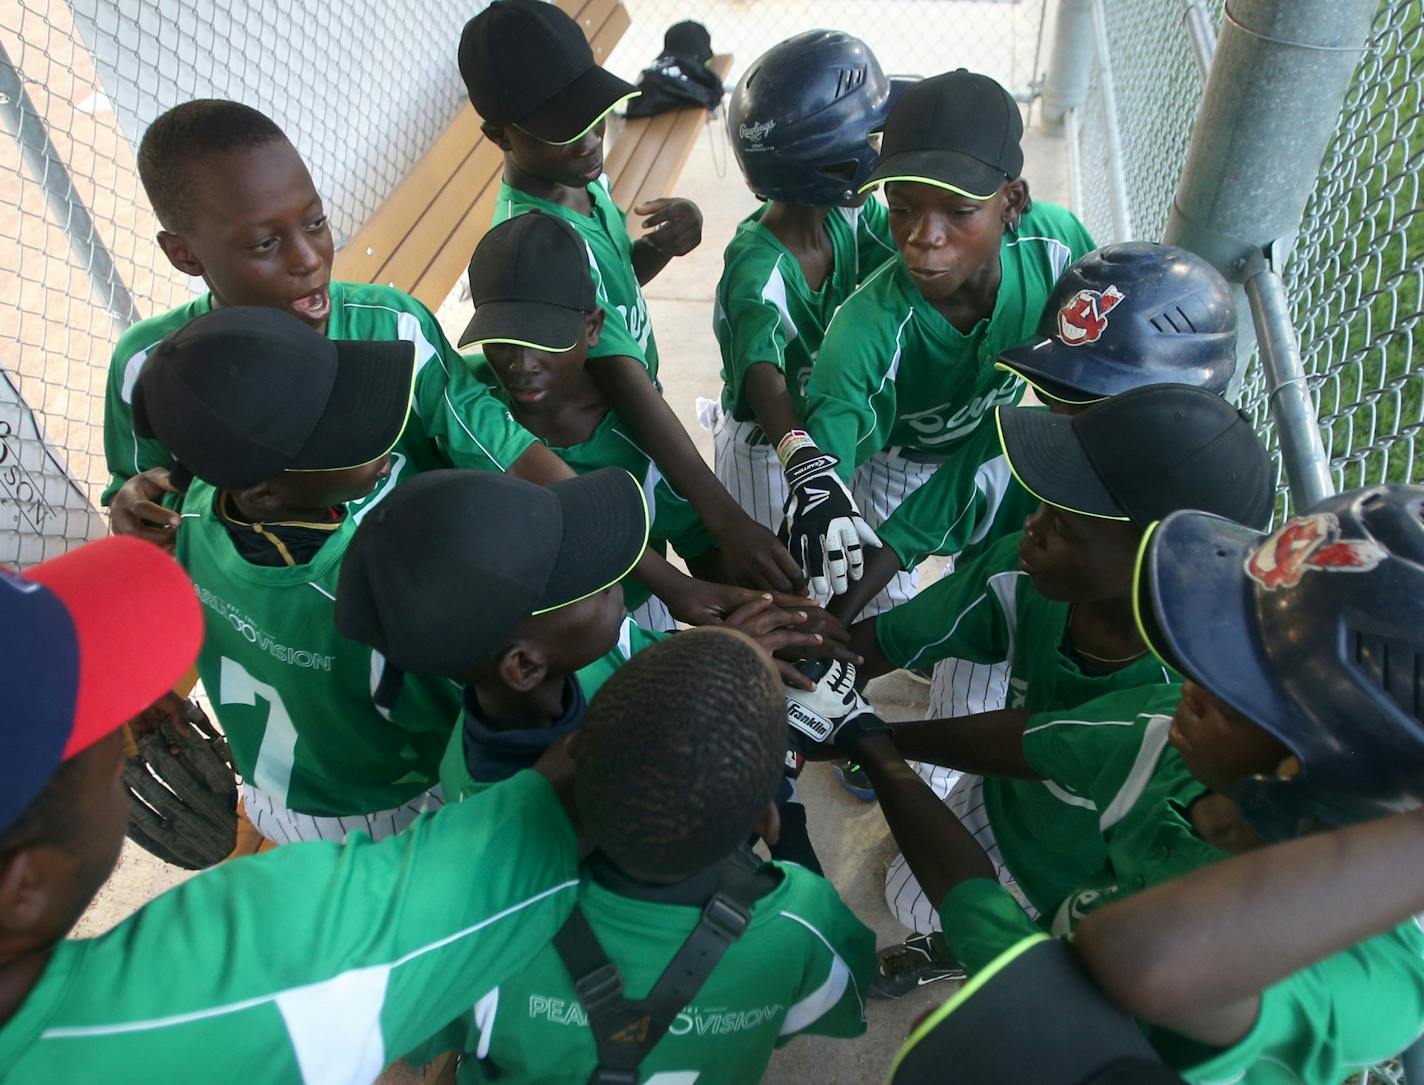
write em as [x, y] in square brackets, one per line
[1313, 632]
[802, 117]
[1128, 315]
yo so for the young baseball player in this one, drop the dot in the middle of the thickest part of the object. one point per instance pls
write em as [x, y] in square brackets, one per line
[309, 964]
[686, 958]
[1055, 601]
[531, 76]
[906, 372]
[536, 318]
[531, 631]
[803, 122]
[279, 429]
[1300, 714]
[238, 209]
[1122, 317]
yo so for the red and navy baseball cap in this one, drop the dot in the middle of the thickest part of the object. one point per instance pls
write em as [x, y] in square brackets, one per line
[527, 63]
[91, 638]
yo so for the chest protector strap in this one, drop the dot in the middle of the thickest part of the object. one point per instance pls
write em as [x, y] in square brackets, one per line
[625, 1030]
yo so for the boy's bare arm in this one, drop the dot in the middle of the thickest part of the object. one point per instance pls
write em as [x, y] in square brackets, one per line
[986, 743]
[881, 565]
[751, 554]
[1194, 954]
[764, 389]
[537, 464]
[940, 851]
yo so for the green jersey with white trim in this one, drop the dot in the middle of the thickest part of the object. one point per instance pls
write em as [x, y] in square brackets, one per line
[366, 311]
[313, 963]
[604, 230]
[455, 779]
[765, 310]
[801, 966]
[294, 697]
[893, 371]
[989, 611]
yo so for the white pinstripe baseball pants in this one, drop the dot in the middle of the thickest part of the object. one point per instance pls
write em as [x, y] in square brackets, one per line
[284, 826]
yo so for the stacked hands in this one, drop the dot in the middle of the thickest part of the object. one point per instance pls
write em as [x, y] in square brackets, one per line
[829, 719]
[824, 529]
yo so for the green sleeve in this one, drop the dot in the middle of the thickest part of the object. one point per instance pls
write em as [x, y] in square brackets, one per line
[957, 617]
[851, 397]
[125, 453]
[1326, 1022]
[844, 959]
[755, 331]
[470, 427]
[1106, 749]
[873, 242]
[981, 919]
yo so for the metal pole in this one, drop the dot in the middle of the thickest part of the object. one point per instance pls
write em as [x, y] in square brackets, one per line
[1307, 467]
[1201, 33]
[1272, 102]
[1112, 139]
[1070, 68]
[40, 156]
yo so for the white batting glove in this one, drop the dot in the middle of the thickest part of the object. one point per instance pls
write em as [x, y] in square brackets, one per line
[824, 721]
[824, 529]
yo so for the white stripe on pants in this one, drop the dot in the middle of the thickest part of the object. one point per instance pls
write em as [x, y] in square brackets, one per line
[878, 486]
[903, 894]
[746, 464]
[283, 826]
[961, 688]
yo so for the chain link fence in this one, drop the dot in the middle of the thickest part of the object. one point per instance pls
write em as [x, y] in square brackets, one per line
[1356, 277]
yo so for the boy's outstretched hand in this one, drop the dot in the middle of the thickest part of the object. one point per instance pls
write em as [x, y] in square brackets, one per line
[135, 509]
[753, 556]
[673, 225]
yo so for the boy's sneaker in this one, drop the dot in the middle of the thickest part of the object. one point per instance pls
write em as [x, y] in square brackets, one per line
[853, 778]
[917, 961]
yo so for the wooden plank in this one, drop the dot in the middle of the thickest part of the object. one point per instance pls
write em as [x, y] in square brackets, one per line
[368, 250]
[654, 130]
[610, 31]
[449, 263]
[669, 156]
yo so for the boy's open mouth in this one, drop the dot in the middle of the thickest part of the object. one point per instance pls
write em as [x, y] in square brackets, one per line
[313, 306]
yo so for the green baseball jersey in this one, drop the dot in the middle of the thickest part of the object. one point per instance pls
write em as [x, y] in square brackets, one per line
[893, 371]
[313, 963]
[988, 611]
[627, 329]
[455, 779]
[802, 965]
[766, 312]
[358, 311]
[294, 697]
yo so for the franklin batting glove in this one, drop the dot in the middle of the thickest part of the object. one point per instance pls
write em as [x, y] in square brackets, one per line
[825, 722]
[824, 530]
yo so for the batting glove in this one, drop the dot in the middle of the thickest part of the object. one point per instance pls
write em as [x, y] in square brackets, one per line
[824, 530]
[826, 721]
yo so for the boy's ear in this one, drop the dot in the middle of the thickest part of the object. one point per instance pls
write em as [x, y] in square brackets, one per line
[25, 890]
[593, 326]
[496, 134]
[768, 826]
[1016, 200]
[180, 253]
[522, 666]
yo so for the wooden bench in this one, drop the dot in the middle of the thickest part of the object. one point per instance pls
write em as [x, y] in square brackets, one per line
[646, 159]
[420, 239]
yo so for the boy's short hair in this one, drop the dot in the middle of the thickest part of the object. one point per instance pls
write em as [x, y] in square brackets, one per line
[52, 818]
[187, 132]
[680, 753]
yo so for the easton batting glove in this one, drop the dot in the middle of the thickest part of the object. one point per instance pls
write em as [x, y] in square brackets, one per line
[826, 721]
[824, 530]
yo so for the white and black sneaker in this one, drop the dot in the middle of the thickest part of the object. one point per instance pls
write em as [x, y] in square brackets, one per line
[917, 961]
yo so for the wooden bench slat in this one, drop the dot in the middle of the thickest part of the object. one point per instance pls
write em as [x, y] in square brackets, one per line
[609, 32]
[649, 135]
[448, 265]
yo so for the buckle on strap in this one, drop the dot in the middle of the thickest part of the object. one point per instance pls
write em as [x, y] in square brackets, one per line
[725, 917]
[600, 988]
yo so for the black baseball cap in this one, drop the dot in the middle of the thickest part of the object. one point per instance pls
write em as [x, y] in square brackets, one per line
[245, 393]
[530, 282]
[959, 131]
[527, 63]
[1142, 455]
[441, 573]
[1031, 1014]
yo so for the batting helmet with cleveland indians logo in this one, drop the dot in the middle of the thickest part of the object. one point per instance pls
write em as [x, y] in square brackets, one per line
[1128, 315]
[1312, 631]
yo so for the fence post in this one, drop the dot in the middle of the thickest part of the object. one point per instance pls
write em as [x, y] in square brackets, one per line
[1272, 102]
[1070, 68]
[1199, 30]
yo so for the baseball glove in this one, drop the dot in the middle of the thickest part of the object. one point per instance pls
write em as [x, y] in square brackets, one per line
[182, 793]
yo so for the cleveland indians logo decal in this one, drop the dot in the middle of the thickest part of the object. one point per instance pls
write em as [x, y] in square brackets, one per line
[1085, 317]
[1310, 543]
